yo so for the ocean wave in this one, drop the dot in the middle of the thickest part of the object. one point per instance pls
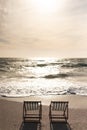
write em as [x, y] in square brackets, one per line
[2, 70]
[22, 92]
[42, 65]
[62, 75]
[24, 77]
[70, 91]
[69, 65]
[77, 91]
[65, 75]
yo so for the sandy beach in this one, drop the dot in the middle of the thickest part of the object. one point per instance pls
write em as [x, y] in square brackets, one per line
[11, 111]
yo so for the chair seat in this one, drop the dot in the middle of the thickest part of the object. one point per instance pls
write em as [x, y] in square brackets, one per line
[31, 116]
[58, 117]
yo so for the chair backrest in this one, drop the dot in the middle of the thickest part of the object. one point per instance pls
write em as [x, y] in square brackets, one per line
[59, 105]
[32, 105]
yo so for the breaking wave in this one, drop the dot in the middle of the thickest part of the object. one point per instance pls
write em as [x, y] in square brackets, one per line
[26, 77]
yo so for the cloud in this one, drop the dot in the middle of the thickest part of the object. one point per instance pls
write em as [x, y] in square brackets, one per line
[3, 41]
[76, 7]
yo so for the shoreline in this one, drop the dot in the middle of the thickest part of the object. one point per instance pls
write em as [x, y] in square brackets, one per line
[75, 101]
[11, 111]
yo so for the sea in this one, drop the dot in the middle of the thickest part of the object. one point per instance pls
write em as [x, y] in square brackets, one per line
[20, 77]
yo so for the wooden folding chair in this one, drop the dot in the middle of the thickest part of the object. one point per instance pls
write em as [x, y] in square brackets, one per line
[32, 111]
[58, 111]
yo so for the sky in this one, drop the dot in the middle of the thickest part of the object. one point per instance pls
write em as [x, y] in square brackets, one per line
[43, 28]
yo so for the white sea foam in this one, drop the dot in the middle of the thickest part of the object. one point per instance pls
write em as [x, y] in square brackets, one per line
[42, 77]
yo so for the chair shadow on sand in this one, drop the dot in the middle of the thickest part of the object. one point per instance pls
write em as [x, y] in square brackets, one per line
[59, 126]
[30, 126]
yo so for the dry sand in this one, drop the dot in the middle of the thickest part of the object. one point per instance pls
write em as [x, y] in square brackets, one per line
[11, 111]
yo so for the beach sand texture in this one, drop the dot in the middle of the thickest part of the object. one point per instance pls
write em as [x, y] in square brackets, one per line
[11, 112]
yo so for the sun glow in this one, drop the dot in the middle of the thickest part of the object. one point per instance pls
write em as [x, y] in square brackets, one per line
[48, 6]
